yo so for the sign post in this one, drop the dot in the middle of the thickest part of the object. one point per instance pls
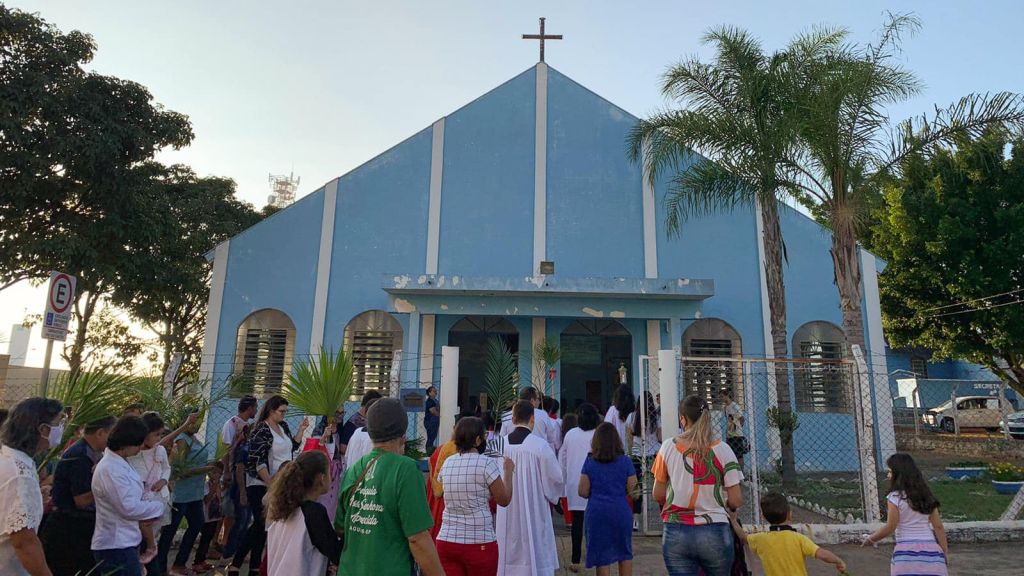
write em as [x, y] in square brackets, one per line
[56, 318]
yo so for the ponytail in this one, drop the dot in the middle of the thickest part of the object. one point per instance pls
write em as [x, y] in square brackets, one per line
[293, 482]
[698, 429]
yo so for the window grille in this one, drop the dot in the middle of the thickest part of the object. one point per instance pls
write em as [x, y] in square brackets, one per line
[372, 354]
[821, 386]
[263, 353]
[707, 378]
[372, 338]
[919, 366]
[264, 359]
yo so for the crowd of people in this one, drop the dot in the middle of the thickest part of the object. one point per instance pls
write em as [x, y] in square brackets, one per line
[346, 500]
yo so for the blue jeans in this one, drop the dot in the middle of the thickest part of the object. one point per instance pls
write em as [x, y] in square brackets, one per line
[689, 548]
[243, 514]
[118, 562]
[191, 511]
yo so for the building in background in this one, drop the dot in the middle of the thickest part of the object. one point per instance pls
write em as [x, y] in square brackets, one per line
[17, 347]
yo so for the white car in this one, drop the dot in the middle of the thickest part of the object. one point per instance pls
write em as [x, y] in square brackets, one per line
[971, 412]
[1014, 425]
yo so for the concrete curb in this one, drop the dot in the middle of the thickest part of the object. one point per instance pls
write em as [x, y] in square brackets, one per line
[956, 532]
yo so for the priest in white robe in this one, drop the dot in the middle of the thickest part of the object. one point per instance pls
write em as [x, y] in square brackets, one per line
[526, 537]
[544, 428]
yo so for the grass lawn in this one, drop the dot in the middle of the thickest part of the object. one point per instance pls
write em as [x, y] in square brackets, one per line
[969, 500]
[961, 500]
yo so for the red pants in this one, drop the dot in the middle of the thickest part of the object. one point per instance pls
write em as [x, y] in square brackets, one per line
[468, 559]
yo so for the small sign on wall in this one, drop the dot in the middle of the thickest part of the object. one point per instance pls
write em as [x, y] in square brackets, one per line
[414, 399]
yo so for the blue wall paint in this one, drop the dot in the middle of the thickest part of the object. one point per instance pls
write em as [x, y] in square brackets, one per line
[380, 226]
[272, 265]
[595, 215]
[811, 293]
[487, 190]
[732, 263]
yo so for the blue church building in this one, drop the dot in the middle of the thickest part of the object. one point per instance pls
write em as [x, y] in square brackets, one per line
[521, 215]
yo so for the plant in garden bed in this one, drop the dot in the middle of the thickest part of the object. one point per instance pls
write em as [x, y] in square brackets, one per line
[1006, 472]
[968, 464]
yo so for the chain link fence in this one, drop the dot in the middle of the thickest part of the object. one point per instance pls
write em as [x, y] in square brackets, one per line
[830, 460]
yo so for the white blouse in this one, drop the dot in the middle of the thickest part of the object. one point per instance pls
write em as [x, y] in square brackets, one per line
[120, 507]
[21, 504]
[280, 451]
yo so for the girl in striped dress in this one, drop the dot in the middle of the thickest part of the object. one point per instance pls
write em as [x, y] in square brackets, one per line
[913, 514]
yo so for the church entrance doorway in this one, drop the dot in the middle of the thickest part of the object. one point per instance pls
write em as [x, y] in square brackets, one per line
[470, 335]
[596, 355]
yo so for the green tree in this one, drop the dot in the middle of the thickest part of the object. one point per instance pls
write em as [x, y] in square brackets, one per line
[74, 152]
[848, 146]
[169, 287]
[953, 236]
[737, 111]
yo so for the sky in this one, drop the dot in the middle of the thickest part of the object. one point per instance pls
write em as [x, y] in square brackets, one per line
[319, 87]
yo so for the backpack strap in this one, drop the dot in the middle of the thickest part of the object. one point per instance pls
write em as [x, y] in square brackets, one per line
[359, 482]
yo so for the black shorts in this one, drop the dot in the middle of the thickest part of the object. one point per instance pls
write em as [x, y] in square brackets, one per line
[739, 445]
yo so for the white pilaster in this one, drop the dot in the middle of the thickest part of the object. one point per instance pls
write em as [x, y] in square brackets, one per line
[323, 267]
[540, 157]
[207, 363]
[653, 338]
[427, 350]
[434, 207]
[876, 357]
[650, 224]
[668, 373]
[448, 397]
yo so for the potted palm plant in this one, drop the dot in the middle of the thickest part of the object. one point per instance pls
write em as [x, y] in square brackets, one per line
[320, 385]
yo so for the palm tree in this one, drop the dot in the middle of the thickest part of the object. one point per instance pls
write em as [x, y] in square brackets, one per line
[847, 146]
[737, 112]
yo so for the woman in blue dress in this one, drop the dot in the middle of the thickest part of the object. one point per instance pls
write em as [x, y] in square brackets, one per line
[607, 478]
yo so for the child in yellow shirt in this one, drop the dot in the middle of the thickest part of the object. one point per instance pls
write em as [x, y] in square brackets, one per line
[782, 549]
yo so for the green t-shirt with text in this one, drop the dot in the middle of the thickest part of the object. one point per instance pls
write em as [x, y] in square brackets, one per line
[389, 506]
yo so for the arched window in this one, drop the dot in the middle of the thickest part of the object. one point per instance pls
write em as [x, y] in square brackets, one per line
[712, 338]
[372, 338]
[263, 356]
[919, 366]
[823, 385]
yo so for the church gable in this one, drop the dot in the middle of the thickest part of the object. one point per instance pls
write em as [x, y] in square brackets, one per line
[594, 192]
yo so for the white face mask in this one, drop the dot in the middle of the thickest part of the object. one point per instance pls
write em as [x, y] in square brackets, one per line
[56, 435]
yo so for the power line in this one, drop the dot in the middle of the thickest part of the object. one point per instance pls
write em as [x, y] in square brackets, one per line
[1019, 301]
[975, 300]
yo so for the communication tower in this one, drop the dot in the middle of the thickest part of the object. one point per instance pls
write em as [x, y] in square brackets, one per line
[282, 189]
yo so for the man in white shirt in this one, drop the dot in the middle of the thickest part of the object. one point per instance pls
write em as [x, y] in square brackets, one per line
[118, 492]
[360, 443]
[543, 427]
[526, 537]
[246, 412]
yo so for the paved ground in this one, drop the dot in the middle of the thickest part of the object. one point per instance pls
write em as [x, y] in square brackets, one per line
[966, 559]
[1001, 559]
